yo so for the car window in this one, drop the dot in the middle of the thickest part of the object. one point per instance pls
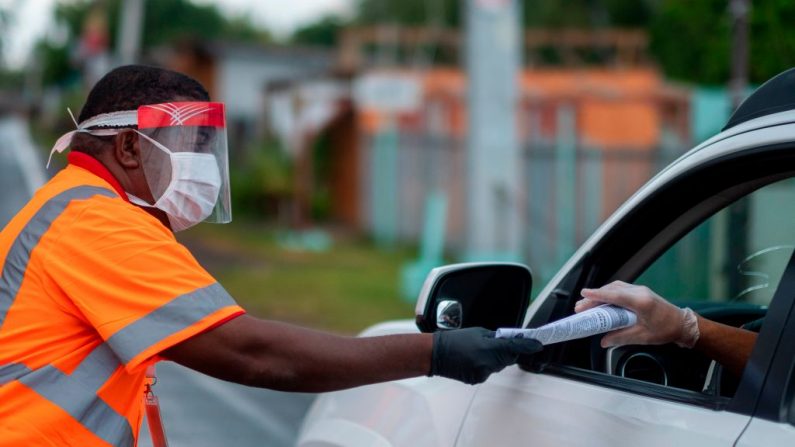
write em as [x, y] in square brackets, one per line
[727, 269]
[707, 265]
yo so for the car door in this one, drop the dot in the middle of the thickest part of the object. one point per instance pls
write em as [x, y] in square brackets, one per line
[573, 394]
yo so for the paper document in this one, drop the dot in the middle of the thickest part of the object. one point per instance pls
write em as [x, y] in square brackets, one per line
[598, 320]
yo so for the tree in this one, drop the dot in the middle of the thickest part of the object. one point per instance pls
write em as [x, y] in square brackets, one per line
[448, 14]
[4, 19]
[321, 33]
[165, 21]
[410, 12]
[772, 38]
[10, 79]
[691, 40]
[535, 13]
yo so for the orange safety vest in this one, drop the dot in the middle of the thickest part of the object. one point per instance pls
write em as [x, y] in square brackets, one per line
[92, 289]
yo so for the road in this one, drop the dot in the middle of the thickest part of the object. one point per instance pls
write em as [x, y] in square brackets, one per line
[20, 173]
[200, 411]
[197, 410]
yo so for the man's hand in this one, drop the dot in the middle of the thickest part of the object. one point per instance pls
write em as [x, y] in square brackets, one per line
[659, 321]
[472, 355]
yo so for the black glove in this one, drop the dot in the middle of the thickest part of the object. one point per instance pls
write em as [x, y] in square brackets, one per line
[471, 355]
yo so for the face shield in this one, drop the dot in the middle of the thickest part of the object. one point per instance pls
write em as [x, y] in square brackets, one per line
[183, 155]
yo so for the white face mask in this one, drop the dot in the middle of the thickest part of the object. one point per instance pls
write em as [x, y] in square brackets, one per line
[191, 195]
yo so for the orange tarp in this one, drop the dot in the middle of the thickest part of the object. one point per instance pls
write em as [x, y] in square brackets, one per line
[613, 108]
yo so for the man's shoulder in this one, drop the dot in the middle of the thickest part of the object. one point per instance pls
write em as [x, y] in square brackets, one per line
[65, 201]
[74, 190]
[113, 214]
[92, 208]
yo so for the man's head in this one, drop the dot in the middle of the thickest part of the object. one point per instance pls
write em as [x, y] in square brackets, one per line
[177, 150]
[127, 88]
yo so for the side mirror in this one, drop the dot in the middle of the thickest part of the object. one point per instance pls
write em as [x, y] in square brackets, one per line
[487, 294]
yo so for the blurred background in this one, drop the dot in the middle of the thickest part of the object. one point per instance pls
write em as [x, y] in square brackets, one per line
[371, 140]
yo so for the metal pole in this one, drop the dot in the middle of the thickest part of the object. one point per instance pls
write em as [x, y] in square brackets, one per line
[385, 199]
[737, 241]
[129, 45]
[739, 71]
[565, 182]
[493, 159]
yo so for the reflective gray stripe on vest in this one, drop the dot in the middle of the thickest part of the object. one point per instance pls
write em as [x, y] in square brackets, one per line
[18, 255]
[91, 373]
[170, 318]
[11, 372]
[97, 368]
[81, 403]
[76, 394]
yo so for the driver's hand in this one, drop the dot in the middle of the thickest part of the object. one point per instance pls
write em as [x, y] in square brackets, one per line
[659, 321]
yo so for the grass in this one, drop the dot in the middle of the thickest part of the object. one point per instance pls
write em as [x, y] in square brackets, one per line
[345, 289]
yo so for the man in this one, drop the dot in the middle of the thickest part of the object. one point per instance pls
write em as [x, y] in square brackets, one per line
[660, 322]
[95, 289]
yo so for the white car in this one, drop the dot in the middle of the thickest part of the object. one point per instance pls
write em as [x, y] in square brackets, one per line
[715, 231]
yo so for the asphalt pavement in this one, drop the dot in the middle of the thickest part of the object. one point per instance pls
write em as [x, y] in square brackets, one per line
[19, 173]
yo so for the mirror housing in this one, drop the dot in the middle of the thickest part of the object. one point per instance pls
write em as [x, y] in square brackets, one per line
[478, 294]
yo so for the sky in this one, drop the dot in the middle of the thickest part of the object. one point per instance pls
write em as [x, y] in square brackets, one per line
[32, 19]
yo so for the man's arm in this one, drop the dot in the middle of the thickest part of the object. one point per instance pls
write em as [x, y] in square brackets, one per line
[661, 322]
[280, 356]
[727, 345]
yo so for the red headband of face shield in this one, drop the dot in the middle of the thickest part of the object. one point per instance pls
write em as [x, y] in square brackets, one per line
[209, 114]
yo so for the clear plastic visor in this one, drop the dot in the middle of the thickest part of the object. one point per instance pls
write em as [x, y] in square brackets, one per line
[186, 142]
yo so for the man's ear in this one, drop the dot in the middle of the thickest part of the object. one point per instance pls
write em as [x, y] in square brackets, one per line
[126, 149]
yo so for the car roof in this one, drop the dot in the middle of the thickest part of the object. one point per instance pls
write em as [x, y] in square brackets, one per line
[775, 119]
[772, 104]
[775, 95]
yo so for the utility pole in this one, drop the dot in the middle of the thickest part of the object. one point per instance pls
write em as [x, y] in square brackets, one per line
[737, 234]
[739, 10]
[493, 158]
[129, 39]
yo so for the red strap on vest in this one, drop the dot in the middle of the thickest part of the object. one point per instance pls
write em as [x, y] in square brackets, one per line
[152, 405]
